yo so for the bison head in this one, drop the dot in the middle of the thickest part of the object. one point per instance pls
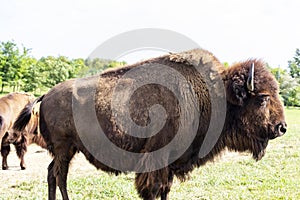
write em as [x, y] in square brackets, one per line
[255, 113]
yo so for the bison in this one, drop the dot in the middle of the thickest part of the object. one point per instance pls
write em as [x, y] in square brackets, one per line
[254, 115]
[21, 140]
[10, 107]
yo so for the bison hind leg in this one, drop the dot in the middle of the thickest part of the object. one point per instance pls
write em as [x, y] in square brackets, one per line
[58, 170]
[51, 182]
[5, 149]
[21, 149]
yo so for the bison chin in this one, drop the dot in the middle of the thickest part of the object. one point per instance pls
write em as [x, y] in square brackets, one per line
[259, 148]
[259, 144]
[248, 143]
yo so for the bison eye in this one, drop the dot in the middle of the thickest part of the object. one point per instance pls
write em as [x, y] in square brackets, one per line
[263, 99]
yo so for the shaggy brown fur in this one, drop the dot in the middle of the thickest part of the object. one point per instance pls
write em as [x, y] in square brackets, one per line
[252, 118]
[10, 106]
[21, 139]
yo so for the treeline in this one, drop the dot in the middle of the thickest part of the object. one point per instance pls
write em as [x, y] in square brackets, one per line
[21, 72]
[289, 81]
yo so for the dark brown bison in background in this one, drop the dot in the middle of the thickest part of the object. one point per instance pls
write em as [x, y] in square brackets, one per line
[254, 115]
[10, 107]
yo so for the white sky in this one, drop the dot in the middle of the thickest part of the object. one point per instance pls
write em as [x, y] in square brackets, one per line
[233, 30]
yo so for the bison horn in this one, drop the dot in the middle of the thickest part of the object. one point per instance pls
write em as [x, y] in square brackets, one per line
[250, 81]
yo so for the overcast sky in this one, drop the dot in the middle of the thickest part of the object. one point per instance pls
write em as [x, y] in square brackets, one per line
[233, 30]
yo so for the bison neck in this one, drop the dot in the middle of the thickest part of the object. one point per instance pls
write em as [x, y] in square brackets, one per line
[238, 135]
[233, 137]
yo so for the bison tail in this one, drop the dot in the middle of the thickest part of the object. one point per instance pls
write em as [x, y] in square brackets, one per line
[25, 115]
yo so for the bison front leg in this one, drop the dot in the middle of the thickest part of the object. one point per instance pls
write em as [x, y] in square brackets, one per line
[165, 190]
[5, 149]
[148, 190]
[153, 184]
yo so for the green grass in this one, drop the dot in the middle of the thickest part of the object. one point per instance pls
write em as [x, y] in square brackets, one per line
[276, 176]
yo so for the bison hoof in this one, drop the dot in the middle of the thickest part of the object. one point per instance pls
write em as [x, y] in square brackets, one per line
[23, 167]
[4, 168]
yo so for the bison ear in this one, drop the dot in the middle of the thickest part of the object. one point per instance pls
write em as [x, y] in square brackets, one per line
[237, 91]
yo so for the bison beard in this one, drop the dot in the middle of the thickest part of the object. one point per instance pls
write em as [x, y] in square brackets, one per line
[249, 124]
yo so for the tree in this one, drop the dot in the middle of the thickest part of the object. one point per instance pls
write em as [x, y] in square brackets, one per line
[12, 65]
[78, 67]
[294, 65]
[53, 70]
[21, 71]
[31, 75]
[289, 87]
[98, 65]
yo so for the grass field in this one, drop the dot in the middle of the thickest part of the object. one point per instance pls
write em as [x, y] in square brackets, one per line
[276, 176]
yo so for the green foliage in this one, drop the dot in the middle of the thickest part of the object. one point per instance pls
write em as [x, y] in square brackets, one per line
[289, 81]
[11, 67]
[289, 87]
[97, 65]
[31, 78]
[18, 70]
[78, 68]
[294, 65]
[294, 83]
[55, 69]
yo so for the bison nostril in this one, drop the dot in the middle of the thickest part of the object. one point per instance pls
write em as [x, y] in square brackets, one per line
[282, 127]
